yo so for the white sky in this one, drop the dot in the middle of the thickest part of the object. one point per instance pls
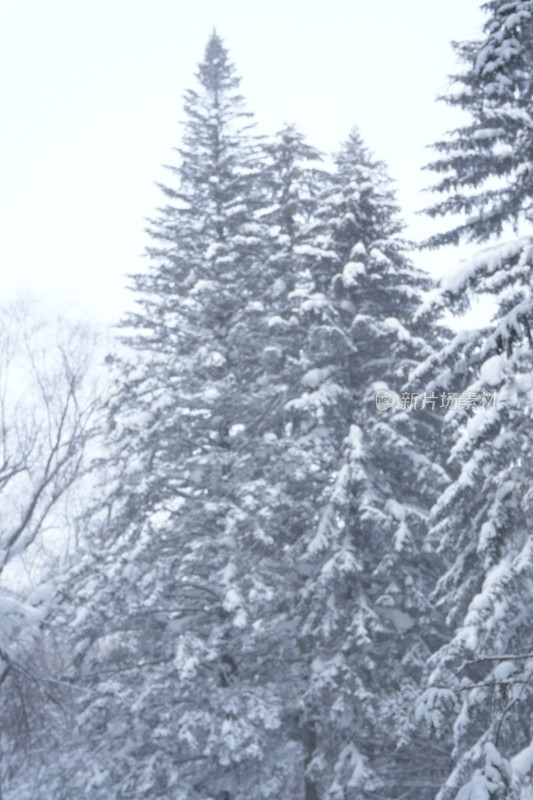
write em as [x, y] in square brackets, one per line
[91, 97]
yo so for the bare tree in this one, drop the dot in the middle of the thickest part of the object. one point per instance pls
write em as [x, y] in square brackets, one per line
[49, 412]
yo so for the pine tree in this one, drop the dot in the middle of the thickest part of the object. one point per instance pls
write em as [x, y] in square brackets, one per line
[363, 606]
[481, 527]
[182, 623]
[253, 620]
[479, 686]
[205, 404]
[291, 179]
[486, 163]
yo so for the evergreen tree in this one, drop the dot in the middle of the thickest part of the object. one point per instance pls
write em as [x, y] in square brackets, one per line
[291, 180]
[366, 624]
[205, 717]
[253, 620]
[479, 689]
[480, 677]
[486, 163]
[182, 623]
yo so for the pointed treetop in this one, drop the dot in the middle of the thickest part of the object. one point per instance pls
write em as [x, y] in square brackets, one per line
[354, 154]
[484, 167]
[216, 71]
[368, 197]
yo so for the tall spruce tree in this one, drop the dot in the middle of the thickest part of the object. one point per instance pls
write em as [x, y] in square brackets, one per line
[486, 164]
[207, 715]
[479, 683]
[182, 624]
[479, 688]
[366, 625]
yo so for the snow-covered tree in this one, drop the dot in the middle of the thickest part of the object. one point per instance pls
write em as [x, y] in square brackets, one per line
[366, 625]
[48, 419]
[485, 165]
[256, 540]
[181, 623]
[479, 688]
[291, 180]
[481, 527]
[251, 617]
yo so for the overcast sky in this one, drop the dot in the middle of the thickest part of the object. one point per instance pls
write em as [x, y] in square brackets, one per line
[91, 98]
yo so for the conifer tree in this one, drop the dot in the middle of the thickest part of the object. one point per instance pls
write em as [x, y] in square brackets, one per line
[481, 675]
[254, 620]
[366, 625]
[486, 164]
[181, 623]
[479, 689]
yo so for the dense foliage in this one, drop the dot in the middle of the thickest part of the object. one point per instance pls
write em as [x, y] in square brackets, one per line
[306, 568]
[480, 686]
